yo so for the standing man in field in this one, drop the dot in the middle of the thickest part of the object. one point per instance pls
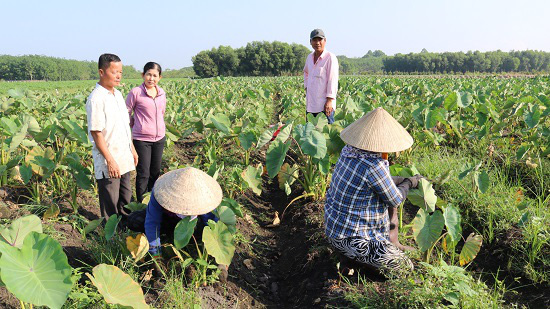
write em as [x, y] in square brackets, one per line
[320, 77]
[109, 131]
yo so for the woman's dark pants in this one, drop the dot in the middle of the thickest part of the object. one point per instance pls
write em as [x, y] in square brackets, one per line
[148, 168]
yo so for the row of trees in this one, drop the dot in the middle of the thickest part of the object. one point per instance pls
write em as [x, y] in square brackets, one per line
[371, 62]
[255, 59]
[459, 62]
[34, 67]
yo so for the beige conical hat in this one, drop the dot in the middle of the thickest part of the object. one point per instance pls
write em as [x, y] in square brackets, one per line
[377, 131]
[188, 191]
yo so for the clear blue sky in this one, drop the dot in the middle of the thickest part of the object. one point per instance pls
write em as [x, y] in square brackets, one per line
[171, 32]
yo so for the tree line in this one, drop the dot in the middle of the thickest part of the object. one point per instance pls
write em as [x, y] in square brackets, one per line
[255, 59]
[278, 58]
[35, 67]
[275, 59]
[530, 61]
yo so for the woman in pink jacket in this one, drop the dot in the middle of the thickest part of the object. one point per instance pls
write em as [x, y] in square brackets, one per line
[146, 105]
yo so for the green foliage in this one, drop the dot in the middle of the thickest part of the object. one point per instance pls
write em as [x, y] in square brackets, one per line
[184, 231]
[38, 273]
[219, 242]
[15, 233]
[34, 67]
[117, 287]
[256, 59]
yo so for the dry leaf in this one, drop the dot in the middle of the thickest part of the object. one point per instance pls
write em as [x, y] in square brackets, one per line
[276, 221]
[248, 264]
[138, 246]
[146, 276]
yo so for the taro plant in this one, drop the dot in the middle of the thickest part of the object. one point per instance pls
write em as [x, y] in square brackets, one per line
[429, 222]
[33, 265]
[217, 241]
[316, 146]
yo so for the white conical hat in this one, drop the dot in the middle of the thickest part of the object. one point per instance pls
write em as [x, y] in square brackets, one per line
[377, 131]
[188, 191]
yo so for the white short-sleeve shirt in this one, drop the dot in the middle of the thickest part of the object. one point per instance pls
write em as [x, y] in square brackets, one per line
[107, 113]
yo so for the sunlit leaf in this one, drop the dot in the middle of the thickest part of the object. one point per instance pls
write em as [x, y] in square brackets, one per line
[117, 287]
[253, 177]
[15, 233]
[138, 246]
[38, 273]
[427, 228]
[219, 242]
[470, 249]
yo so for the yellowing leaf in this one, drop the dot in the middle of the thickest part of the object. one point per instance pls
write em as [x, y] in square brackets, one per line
[138, 246]
[117, 287]
[470, 249]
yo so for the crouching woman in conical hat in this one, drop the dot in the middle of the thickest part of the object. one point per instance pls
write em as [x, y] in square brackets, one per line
[178, 194]
[362, 194]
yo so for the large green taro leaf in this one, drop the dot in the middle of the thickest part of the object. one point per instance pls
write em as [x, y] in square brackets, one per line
[92, 225]
[15, 234]
[110, 226]
[183, 231]
[424, 196]
[219, 242]
[222, 123]
[38, 273]
[427, 229]
[253, 177]
[453, 222]
[117, 287]
[532, 116]
[75, 131]
[275, 157]
[247, 139]
[470, 249]
[234, 205]
[482, 181]
[226, 215]
[312, 142]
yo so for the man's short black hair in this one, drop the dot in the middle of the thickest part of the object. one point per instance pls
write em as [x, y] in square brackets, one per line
[106, 59]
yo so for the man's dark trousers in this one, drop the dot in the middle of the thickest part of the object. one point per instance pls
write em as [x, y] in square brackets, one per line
[114, 194]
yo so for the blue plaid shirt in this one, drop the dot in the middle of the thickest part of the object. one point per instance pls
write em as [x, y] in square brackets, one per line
[359, 195]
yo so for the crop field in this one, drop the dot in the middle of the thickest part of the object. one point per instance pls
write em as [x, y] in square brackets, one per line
[480, 223]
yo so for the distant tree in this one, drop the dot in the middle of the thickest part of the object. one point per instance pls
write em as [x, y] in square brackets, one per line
[203, 65]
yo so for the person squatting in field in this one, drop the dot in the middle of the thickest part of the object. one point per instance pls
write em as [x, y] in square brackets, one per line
[320, 77]
[109, 132]
[178, 194]
[362, 193]
[146, 106]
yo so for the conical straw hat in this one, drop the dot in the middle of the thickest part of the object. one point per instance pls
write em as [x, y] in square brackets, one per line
[377, 131]
[188, 191]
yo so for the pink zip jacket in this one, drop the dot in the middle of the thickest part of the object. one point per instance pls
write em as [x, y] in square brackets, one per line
[147, 121]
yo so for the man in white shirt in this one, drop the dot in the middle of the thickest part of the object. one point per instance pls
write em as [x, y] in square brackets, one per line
[109, 131]
[321, 77]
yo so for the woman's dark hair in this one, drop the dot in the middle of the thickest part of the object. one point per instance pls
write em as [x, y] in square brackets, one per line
[152, 65]
[106, 59]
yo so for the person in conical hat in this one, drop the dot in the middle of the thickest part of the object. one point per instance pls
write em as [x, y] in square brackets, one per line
[362, 192]
[176, 195]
